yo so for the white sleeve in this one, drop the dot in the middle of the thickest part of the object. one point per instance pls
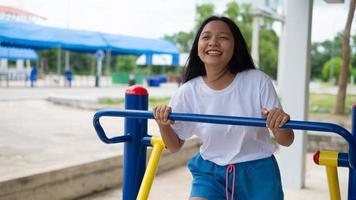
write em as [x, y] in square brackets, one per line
[180, 104]
[269, 97]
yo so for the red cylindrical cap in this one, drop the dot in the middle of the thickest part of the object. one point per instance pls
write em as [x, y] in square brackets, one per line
[316, 157]
[136, 90]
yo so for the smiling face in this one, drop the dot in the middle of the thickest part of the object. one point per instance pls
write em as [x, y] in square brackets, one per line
[216, 45]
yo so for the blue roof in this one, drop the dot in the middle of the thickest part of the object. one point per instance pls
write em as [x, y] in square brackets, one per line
[17, 53]
[41, 37]
[135, 45]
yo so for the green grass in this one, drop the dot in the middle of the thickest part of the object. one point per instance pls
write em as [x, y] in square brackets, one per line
[325, 103]
[112, 102]
[152, 102]
[158, 101]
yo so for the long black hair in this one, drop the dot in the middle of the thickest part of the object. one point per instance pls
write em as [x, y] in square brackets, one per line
[241, 59]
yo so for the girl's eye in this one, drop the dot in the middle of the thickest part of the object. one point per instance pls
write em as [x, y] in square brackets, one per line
[204, 37]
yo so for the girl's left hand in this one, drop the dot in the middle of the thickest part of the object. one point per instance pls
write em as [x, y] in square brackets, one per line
[276, 117]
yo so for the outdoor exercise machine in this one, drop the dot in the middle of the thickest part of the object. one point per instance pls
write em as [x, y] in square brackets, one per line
[136, 140]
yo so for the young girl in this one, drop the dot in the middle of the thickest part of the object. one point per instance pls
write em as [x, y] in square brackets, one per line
[234, 162]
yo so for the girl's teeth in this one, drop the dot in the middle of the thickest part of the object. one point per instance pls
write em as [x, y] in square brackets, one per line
[214, 53]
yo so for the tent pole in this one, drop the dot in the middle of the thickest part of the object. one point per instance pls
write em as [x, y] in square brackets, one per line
[58, 64]
[108, 64]
[67, 60]
[99, 60]
[67, 70]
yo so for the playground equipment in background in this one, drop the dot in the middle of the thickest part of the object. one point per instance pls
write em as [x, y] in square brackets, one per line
[136, 140]
[156, 80]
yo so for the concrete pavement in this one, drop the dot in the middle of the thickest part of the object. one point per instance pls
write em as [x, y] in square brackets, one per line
[30, 125]
[52, 148]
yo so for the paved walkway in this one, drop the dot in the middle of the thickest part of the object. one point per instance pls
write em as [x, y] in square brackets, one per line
[35, 131]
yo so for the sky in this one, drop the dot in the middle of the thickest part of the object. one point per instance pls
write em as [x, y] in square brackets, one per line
[156, 18]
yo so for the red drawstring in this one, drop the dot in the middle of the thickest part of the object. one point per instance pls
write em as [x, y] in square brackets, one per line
[230, 168]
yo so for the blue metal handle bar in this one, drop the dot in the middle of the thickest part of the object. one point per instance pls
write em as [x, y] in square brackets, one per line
[218, 119]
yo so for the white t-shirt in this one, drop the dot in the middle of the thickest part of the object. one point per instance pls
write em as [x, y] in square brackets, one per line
[249, 92]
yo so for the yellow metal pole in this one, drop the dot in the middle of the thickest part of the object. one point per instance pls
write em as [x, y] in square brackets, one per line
[333, 183]
[330, 160]
[157, 147]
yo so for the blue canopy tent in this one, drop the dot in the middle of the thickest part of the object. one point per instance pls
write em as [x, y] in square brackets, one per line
[119, 44]
[17, 53]
[11, 53]
[40, 37]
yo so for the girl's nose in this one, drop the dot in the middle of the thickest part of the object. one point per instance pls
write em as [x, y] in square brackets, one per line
[213, 42]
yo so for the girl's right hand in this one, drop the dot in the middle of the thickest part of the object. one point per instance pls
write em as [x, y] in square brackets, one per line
[161, 113]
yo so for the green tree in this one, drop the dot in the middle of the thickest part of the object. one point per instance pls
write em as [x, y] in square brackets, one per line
[268, 48]
[203, 11]
[333, 47]
[268, 54]
[246, 13]
[48, 58]
[353, 49]
[318, 59]
[322, 52]
[182, 39]
[81, 63]
[332, 66]
[239, 14]
[245, 23]
[126, 63]
[233, 11]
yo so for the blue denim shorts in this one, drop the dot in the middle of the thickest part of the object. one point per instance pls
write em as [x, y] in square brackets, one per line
[253, 180]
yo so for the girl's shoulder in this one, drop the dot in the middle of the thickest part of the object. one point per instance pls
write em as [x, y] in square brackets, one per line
[185, 92]
[189, 88]
[254, 75]
[190, 84]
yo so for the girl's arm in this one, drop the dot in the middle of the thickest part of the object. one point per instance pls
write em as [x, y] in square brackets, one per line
[170, 138]
[276, 118]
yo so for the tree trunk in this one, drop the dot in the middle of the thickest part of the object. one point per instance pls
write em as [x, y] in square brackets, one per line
[344, 71]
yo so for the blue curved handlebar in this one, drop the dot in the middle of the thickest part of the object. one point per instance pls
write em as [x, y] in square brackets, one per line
[218, 119]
